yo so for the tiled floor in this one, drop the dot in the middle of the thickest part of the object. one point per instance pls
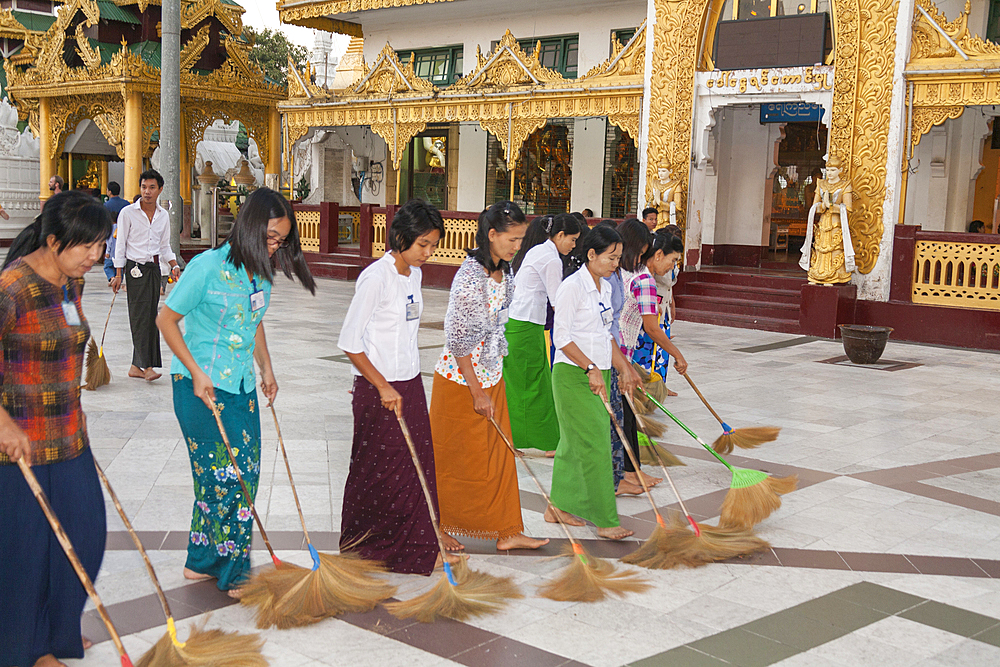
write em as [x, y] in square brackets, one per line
[889, 552]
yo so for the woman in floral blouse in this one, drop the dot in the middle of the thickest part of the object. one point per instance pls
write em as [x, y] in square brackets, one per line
[476, 475]
[222, 298]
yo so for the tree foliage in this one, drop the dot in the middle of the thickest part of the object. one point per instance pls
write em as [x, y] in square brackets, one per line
[271, 50]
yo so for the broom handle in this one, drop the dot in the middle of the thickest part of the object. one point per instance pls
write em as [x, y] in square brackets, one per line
[423, 485]
[108, 319]
[74, 560]
[246, 492]
[510, 446]
[663, 467]
[288, 467]
[704, 400]
[688, 431]
[635, 463]
[171, 627]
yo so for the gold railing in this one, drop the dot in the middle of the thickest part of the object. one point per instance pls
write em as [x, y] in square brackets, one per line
[459, 234]
[309, 222]
[963, 275]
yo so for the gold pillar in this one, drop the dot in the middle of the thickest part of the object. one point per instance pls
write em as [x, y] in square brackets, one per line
[185, 165]
[104, 177]
[133, 144]
[69, 171]
[64, 170]
[45, 166]
[273, 147]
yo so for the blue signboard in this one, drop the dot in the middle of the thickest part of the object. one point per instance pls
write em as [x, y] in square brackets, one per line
[787, 112]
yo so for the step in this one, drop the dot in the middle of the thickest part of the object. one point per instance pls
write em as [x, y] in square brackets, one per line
[789, 282]
[339, 258]
[749, 292]
[738, 306]
[335, 270]
[739, 321]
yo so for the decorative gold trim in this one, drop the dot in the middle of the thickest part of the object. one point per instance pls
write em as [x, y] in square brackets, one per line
[925, 118]
[324, 8]
[628, 60]
[194, 47]
[388, 76]
[507, 66]
[928, 43]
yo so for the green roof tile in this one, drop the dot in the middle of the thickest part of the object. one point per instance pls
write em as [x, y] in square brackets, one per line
[32, 21]
[113, 12]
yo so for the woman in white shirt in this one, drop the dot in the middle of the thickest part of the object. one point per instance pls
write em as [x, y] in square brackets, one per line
[582, 476]
[538, 270]
[385, 515]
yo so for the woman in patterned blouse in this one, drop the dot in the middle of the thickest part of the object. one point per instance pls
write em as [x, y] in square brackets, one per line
[222, 297]
[476, 477]
[43, 333]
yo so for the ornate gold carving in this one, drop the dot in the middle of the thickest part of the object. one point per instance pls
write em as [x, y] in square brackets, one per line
[67, 112]
[199, 114]
[397, 135]
[628, 123]
[506, 66]
[924, 118]
[928, 42]
[238, 53]
[956, 274]
[90, 56]
[388, 77]
[333, 7]
[113, 129]
[150, 122]
[10, 26]
[194, 47]
[625, 61]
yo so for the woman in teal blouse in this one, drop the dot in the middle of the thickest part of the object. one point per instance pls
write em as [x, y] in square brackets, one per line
[222, 298]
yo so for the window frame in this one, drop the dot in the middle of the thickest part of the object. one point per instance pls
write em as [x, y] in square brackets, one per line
[454, 53]
[564, 41]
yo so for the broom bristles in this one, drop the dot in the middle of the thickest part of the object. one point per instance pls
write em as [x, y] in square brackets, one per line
[747, 506]
[291, 596]
[745, 438]
[475, 594]
[653, 428]
[207, 648]
[679, 546]
[98, 374]
[648, 457]
[591, 581]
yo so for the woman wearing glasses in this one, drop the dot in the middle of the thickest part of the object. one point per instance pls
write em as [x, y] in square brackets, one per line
[222, 297]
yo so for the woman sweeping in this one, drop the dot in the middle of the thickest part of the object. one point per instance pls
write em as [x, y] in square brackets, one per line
[43, 334]
[538, 268]
[385, 514]
[476, 477]
[222, 297]
[647, 355]
[582, 477]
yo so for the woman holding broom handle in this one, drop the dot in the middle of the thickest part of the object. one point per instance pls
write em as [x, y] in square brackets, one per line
[582, 476]
[43, 334]
[476, 477]
[538, 268]
[385, 515]
[222, 297]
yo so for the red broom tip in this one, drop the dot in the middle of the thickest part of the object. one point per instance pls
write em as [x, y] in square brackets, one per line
[126, 662]
[277, 562]
[577, 549]
[659, 520]
[694, 524]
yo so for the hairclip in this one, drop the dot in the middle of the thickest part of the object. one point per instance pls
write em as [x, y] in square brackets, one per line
[548, 225]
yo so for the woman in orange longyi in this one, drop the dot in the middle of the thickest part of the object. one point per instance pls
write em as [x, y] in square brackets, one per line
[476, 475]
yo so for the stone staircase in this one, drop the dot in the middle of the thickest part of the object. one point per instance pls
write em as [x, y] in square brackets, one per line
[344, 263]
[767, 300]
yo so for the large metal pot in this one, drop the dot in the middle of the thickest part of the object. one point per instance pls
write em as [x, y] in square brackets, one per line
[864, 344]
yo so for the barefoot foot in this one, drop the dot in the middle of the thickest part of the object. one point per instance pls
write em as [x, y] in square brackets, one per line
[86, 643]
[235, 593]
[670, 392]
[627, 488]
[519, 541]
[196, 576]
[616, 533]
[136, 372]
[550, 455]
[151, 375]
[555, 515]
[450, 543]
[49, 661]
[633, 478]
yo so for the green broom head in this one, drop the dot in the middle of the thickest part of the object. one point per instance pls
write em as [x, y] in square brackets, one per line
[752, 497]
[590, 579]
[460, 593]
[649, 457]
[205, 648]
[291, 596]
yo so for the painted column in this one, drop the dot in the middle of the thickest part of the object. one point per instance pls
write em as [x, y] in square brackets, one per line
[104, 177]
[272, 173]
[45, 165]
[170, 116]
[874, 286]
[133, 144]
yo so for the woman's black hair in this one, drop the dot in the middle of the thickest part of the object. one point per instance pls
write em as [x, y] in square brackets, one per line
[73, 217]
[599, 239]
[499, 217]
[635, 239]
[546, 227]
[412, 221]
[664, 241]
[248, 239]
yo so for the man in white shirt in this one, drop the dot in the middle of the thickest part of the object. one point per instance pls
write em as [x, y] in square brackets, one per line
[143, 239]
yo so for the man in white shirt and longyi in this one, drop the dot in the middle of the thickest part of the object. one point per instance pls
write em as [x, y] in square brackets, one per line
[144, 238]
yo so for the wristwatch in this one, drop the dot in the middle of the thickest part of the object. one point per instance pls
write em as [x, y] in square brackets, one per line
[590, 368]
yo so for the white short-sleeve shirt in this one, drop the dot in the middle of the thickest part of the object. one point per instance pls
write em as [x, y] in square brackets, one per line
[584, 316]
[377, 324]
[536, 283]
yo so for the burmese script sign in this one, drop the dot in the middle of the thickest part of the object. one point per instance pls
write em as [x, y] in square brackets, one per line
[766, 81]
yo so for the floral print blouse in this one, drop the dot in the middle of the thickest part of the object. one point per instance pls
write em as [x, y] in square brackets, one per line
[220, 323]
[478, 308]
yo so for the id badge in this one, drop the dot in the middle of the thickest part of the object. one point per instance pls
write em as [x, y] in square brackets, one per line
[136, 272]
[503, 316]
[607, 314]
[412, 311]
[69, 312]
[256, 301]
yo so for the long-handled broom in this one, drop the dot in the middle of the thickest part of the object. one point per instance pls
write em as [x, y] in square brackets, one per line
[679, 546]
[98, 373]
[587, 578]
[461, 592]
[203, 648]
[752, 496]
[292, 596]
[74, 560]
[744, 438]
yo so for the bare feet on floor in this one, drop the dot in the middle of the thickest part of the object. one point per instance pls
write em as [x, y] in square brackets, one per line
[136, 372]
[49, 661]
[554, 515]
[196, 576]
[450, 543]
[86, 643]
[670, 392]
[616, 533]
[520, 541]
[151, 375]
[235, 593]
[550, 455]
[633, 478]
[627, 488]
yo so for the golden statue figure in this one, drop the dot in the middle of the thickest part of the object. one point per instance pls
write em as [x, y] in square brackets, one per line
[435, 152]
[667, 194]
[827, 253]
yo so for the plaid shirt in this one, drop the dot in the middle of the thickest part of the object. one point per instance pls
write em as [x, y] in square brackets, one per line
[42, 363]
[640, 299]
